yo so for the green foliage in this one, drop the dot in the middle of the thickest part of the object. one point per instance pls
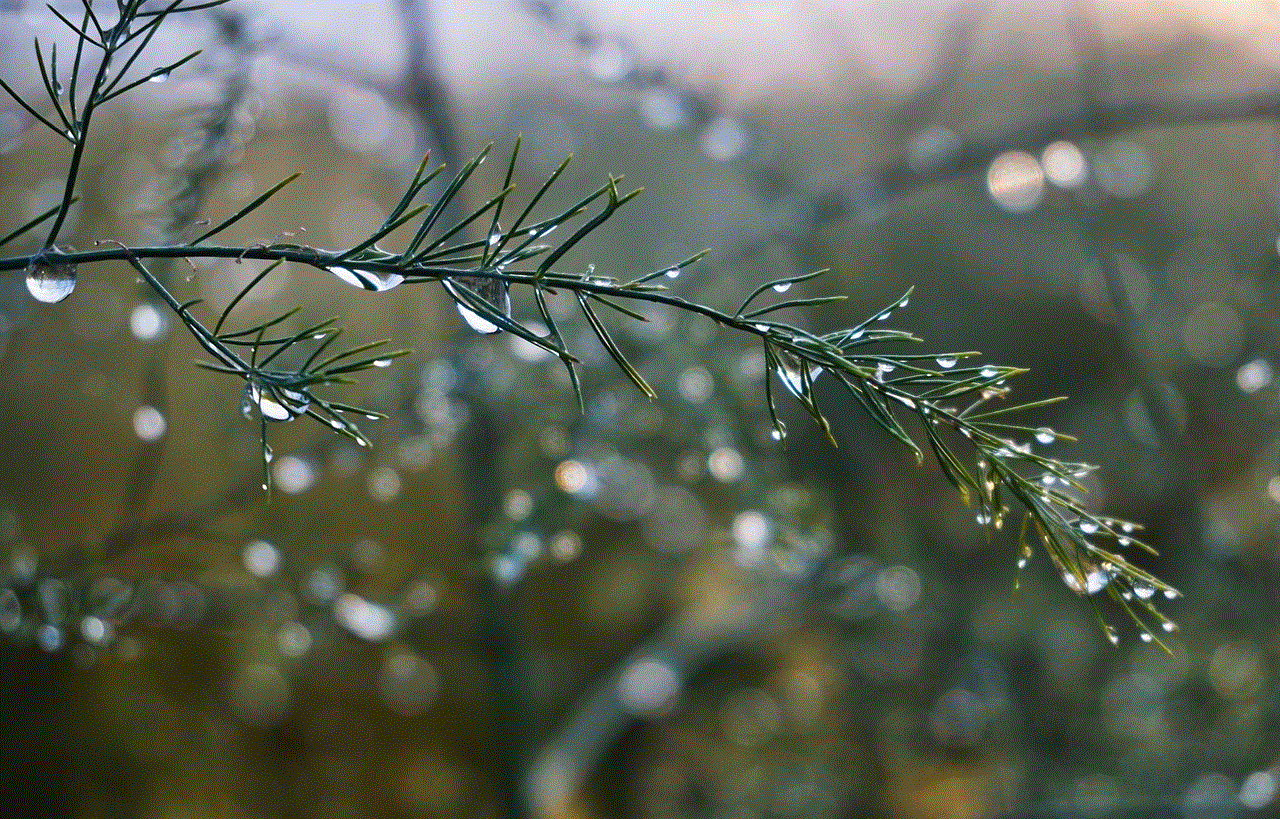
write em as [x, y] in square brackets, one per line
[954, 409]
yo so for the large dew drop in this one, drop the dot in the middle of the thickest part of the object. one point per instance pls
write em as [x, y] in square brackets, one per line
[50, 283]
[274, 404]
[791, 377]
[366, 279]
[493, 291]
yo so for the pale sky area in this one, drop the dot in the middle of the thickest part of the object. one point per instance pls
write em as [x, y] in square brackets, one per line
[747, 52]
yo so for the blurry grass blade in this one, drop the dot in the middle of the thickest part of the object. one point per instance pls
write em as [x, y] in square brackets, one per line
[783, 305]
[568, 360]
[446, 197]
[493, 249]
[244, 291]
[34, 222]
[787, 282]
[247, 209]
[666, 271]
[159, 72]
[600, 218]
[80, 31]
[36, 114]
[542, 190]
[50, 79]
[612, 348]
[626, 311]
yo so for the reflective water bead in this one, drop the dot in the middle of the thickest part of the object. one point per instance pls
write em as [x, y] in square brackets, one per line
[366, 280]
[1045, 435]
[946, 362]
[50, 283]
[782, 287]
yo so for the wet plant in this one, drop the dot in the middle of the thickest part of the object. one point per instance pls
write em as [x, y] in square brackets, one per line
[946, 403]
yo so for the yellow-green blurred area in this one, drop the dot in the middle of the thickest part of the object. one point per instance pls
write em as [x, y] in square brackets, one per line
[508, 607]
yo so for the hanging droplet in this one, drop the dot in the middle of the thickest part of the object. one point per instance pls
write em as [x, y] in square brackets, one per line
[1045, 435]
[777, 434]
[1113, 636]
[673, 273]
[983, 518]
[988, 372]
[495, 236]
[493, 291]
[159, 75]
[1088, 527]
[49, 282]
[1146, 636]
[1144, 591]
[793, 378]
[782, 287]
[382, 363]
[274, 404]
[365, 279]
[57, 87]
[946, 362]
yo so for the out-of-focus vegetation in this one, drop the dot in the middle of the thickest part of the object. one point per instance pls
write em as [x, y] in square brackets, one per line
[651, 608]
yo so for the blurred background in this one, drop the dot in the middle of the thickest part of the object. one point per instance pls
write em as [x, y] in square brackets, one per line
[651, 609]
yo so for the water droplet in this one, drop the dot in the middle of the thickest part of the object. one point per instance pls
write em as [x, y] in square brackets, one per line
[381, 363]
[1127, 527]
[1169, 626]
[906, 402]
[883, 316]
[1045, 435]
[777, 434]
[782, 287]
[491, 290]
[1123, 541]
[946, 362]
[1144, 591]
[793, 379]
[50, 283]
[1022, 563]
[988, 372]
[1048, 479]
[1088, 527]
[159, 75]
[983, 518]
[365, 279]
[1113, 636]
[1171, 594]
[1145, 636]
[476, 321]
[57, 87]
[275, 404]
[673, 273]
